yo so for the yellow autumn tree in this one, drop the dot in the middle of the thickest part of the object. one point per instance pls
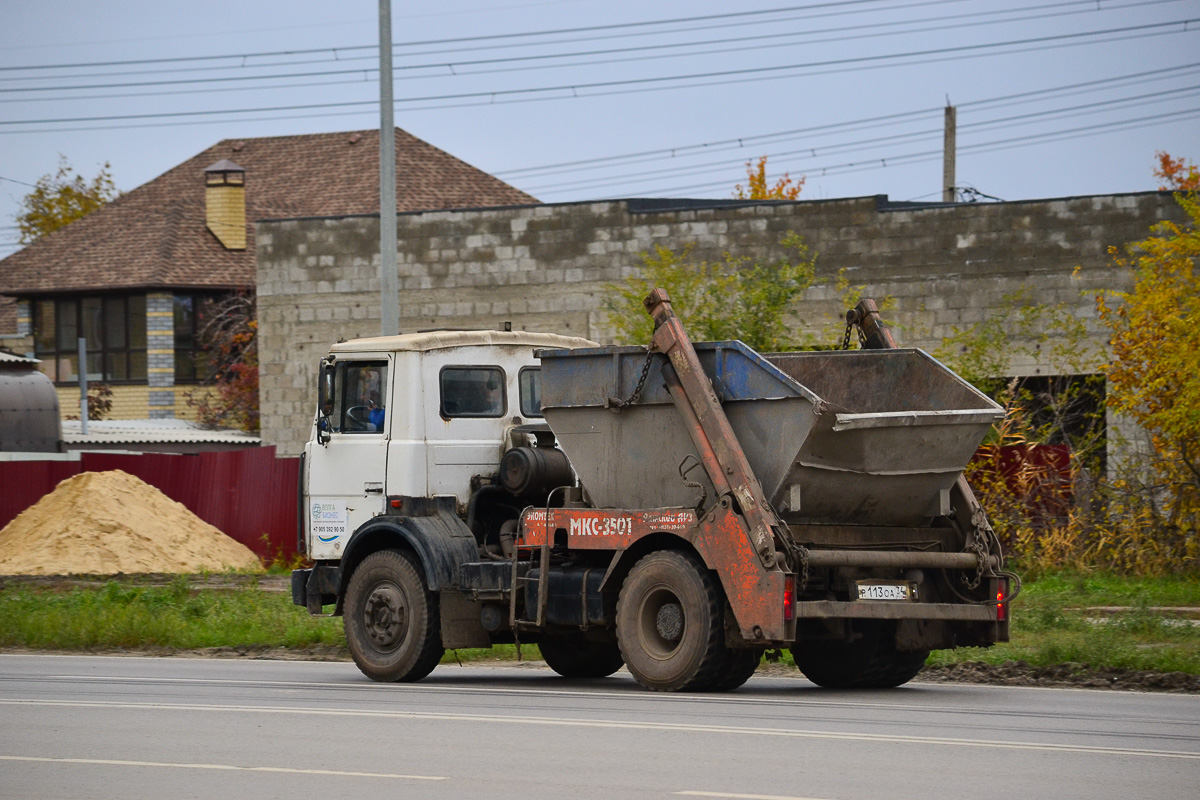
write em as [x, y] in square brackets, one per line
[58, 200]
[785, 188]
[1155, 328]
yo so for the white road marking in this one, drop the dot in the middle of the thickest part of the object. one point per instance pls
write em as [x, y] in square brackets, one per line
[108, 762]
[633, 695]
[574, 722]
[746, 796]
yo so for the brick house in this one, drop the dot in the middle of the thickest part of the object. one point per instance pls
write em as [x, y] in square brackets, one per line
[133, 277]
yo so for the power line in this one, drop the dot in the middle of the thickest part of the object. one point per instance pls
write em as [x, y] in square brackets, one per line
[457, 40]
[338, 57]
[741, 141]
[23, 183]
[456, 66]
[177, 92]
[575, 88]
[894, 138]
[905, 159]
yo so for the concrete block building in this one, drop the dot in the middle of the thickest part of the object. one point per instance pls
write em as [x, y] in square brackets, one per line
[548, 267]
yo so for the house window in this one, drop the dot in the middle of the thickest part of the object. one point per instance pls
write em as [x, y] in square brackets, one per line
[192, 312]
[113, 326]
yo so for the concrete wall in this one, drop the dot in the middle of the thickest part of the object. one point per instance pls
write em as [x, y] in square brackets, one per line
[545, 268]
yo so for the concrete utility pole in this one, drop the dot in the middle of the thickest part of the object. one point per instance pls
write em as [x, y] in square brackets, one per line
[948, 148]
[389, 274]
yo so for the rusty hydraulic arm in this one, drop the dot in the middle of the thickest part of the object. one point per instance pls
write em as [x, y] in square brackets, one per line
[720, 453]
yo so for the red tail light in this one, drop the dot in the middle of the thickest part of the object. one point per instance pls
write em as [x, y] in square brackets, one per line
[1002, 599]
[789, 598]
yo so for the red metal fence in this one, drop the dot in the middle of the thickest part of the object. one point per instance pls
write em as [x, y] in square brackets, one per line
[250, 495]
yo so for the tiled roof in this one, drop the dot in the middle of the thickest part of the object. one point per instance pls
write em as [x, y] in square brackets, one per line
[155, 236]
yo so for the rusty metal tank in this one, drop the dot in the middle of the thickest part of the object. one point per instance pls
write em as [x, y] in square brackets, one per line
[29, 418]
[868, 437]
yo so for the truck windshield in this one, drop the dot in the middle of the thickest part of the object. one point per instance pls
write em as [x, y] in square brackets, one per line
[473, 392]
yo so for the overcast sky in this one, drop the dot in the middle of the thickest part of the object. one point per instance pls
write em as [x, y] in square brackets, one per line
[586, 99]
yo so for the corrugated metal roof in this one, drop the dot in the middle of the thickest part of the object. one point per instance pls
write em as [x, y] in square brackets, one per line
[443, 340]
[8, 358]
[146, 431]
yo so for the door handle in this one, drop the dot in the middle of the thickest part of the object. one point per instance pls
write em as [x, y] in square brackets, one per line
[373, 488]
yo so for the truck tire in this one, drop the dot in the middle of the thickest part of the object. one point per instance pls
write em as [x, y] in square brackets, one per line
[669, 623]
[738, 667]
[870, 662]
[576, 657]
[391, 619]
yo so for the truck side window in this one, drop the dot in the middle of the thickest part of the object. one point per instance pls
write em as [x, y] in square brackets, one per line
[529, 379]
[363, 397]
[473, 392]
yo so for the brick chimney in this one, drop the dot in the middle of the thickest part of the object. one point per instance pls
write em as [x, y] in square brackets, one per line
[225, 203]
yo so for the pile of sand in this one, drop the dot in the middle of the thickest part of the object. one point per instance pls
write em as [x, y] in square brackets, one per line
[109, 522]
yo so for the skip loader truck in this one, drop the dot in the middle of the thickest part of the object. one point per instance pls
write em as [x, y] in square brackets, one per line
[681, 508]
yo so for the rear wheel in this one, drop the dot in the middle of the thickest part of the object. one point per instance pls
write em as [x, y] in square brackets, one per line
[737, 668]
[669, 623]
[391, 619]
[869, 662]
[577, 657]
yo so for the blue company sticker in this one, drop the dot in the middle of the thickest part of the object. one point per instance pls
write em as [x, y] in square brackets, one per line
[328, 521]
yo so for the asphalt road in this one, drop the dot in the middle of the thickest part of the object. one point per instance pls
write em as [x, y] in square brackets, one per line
[106, 727]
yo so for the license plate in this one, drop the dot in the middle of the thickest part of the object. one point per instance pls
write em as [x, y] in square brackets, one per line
[883, 590]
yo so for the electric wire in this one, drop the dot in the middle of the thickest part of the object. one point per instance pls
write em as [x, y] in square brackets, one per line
[1058, 39]
[456, 67]
[457, 40]
[1102, 106]
[741, 142]
[905, 159]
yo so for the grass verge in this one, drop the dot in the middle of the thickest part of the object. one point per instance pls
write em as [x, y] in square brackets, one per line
[185, 614]
[1054, 622]
[1065, 618]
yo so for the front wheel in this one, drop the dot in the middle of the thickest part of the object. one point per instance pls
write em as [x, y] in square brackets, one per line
[391, 619]
[576, 657]
[670, 623]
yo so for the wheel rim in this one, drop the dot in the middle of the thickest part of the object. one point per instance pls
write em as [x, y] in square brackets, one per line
[385, 616]
[662, 623]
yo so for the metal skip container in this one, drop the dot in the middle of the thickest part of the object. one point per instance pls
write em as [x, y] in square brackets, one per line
[872, 437]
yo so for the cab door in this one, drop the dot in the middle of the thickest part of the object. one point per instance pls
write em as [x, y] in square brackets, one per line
[346, 462]
[466, 428]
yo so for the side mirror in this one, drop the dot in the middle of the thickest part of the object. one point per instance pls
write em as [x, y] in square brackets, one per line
[325, 395]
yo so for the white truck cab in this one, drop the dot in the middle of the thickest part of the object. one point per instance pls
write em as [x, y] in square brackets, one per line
[413, 416]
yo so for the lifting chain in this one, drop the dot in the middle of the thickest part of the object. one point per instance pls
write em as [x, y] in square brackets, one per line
[980, 532]
[802, 582]
[850, 326]
[637, 391]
